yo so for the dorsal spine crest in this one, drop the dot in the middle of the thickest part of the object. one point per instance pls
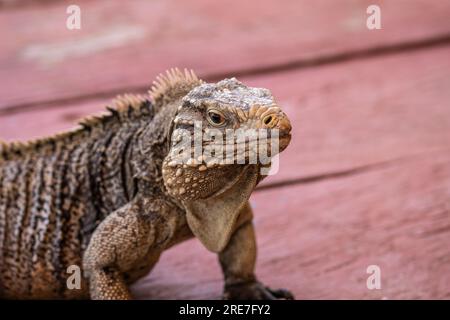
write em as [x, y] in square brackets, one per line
[172, 85]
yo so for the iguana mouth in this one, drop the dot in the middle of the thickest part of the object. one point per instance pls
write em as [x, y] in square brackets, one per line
[231, 183]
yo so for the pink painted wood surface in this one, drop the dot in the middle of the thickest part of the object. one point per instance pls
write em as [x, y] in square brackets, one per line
[126, 46]
[318, 239]
[344, 115]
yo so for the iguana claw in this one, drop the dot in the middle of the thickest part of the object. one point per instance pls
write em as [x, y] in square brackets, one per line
[255, 291]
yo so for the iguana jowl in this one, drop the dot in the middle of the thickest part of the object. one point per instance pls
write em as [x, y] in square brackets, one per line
[110, 197]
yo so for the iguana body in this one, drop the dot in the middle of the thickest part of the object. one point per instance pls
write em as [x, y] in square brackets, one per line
[108, 196]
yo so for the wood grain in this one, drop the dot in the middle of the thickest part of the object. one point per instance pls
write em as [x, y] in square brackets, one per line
[318, 239]
[344, 116]
[124, 47]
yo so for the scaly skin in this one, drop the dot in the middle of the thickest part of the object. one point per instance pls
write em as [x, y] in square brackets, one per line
[109, 197]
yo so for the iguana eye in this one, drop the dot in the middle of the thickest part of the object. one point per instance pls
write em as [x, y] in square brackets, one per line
[216, 118]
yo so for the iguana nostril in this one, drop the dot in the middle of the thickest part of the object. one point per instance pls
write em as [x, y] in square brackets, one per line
[269, 120]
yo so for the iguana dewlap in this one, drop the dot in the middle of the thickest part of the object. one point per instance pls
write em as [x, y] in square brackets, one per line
[113, 194]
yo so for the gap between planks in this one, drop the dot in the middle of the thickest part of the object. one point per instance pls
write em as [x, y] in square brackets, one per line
[335, 58]
[357, 170]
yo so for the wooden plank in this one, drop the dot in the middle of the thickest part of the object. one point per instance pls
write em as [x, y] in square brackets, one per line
[318, 239]
[344, 115]
[40, 123]
[120, 47]
[363, 112]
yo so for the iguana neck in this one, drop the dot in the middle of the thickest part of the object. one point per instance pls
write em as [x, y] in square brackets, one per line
[108, 168]
[149, 147]
[126, 160]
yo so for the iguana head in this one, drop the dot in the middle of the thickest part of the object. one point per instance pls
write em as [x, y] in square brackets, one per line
[222, 137]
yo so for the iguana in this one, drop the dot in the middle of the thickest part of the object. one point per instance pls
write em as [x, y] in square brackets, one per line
[109, 196]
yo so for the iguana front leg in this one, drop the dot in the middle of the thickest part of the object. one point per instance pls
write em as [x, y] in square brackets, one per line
[120, 241]
[238, 264]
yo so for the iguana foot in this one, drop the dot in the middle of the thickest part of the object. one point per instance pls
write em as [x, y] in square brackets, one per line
[255, 291]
